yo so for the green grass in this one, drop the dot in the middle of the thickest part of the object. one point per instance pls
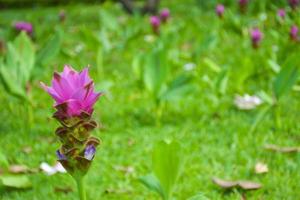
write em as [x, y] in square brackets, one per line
[213, 132]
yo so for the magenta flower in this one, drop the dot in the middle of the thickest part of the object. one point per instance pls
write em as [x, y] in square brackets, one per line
[243, 5]
[294, 33]
[165, 15]
[220, 10]
[73, 93]
[294, 3]
[24, 26]
[155, 23]
[281, 13]
[256, 37]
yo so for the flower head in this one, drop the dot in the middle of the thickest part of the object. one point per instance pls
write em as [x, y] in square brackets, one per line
[294, 3]
[165, 15]
[256, 37]
[220, 10]
[89, 152]
[24, 26]
[62, 15]
[243, 5]
[155, 23]
[281, 13]
[294, 33]
[73, 92]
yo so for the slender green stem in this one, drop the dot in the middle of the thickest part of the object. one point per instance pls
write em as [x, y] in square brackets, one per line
[81, 188]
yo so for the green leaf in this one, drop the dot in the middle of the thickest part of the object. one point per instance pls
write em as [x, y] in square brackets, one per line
[221, 81]
[287, 76]
[13, 181]
[3, 161]
[153, 184]
[178, 88]
[16, 69]
[51, 48]
[155, 71]
[212, 65]
[167, 161]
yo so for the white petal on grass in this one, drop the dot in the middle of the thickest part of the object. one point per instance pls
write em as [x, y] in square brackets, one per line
[247, 102]
[189, 66]
[149, 38]
[51, 170]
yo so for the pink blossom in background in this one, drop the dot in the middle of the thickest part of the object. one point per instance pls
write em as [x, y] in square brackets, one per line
[281, 13]
[73, 92]
[256, 37]
[155, 23]
[220, 10]
[24, 26]
[165, 15]
[294, 3]
[243, 5]
[294, 33]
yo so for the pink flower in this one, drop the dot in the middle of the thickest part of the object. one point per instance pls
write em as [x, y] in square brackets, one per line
[165, 15]
[155, 23]
[73, 93]
[256, 37]
[243, 5]
[24, 26]
[294, 3]
[294, 33]
[220, 10]
[281, 13]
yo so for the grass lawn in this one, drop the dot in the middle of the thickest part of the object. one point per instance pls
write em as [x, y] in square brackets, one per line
[215, 135]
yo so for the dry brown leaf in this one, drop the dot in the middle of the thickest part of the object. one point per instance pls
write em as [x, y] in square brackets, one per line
[224, 184]
[249, 185]
[27, 150]
[245, 185]
[261, 168]
[273, 147]
[63, 189]
[18, 169]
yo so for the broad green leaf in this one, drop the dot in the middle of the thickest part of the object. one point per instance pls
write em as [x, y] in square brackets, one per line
[155, 71]
[16, 68]
[178, 88]
[25, 58]
[259, 117]
[51, 48]
[274, 65]
[153, 184]
[15, 181]
[287, 76]
[221, 81]
[104, 40]
[136, 65]
[167, 161]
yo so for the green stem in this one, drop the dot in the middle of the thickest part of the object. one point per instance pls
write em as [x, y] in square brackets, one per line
[81, 188]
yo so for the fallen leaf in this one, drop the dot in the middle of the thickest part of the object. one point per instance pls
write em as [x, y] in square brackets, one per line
[245, 185]
[18, 169]
[224, 184]
[261, 168]
[248, 185]
[273, 147]
[65, 190]
[27, 150]
[15, 181]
